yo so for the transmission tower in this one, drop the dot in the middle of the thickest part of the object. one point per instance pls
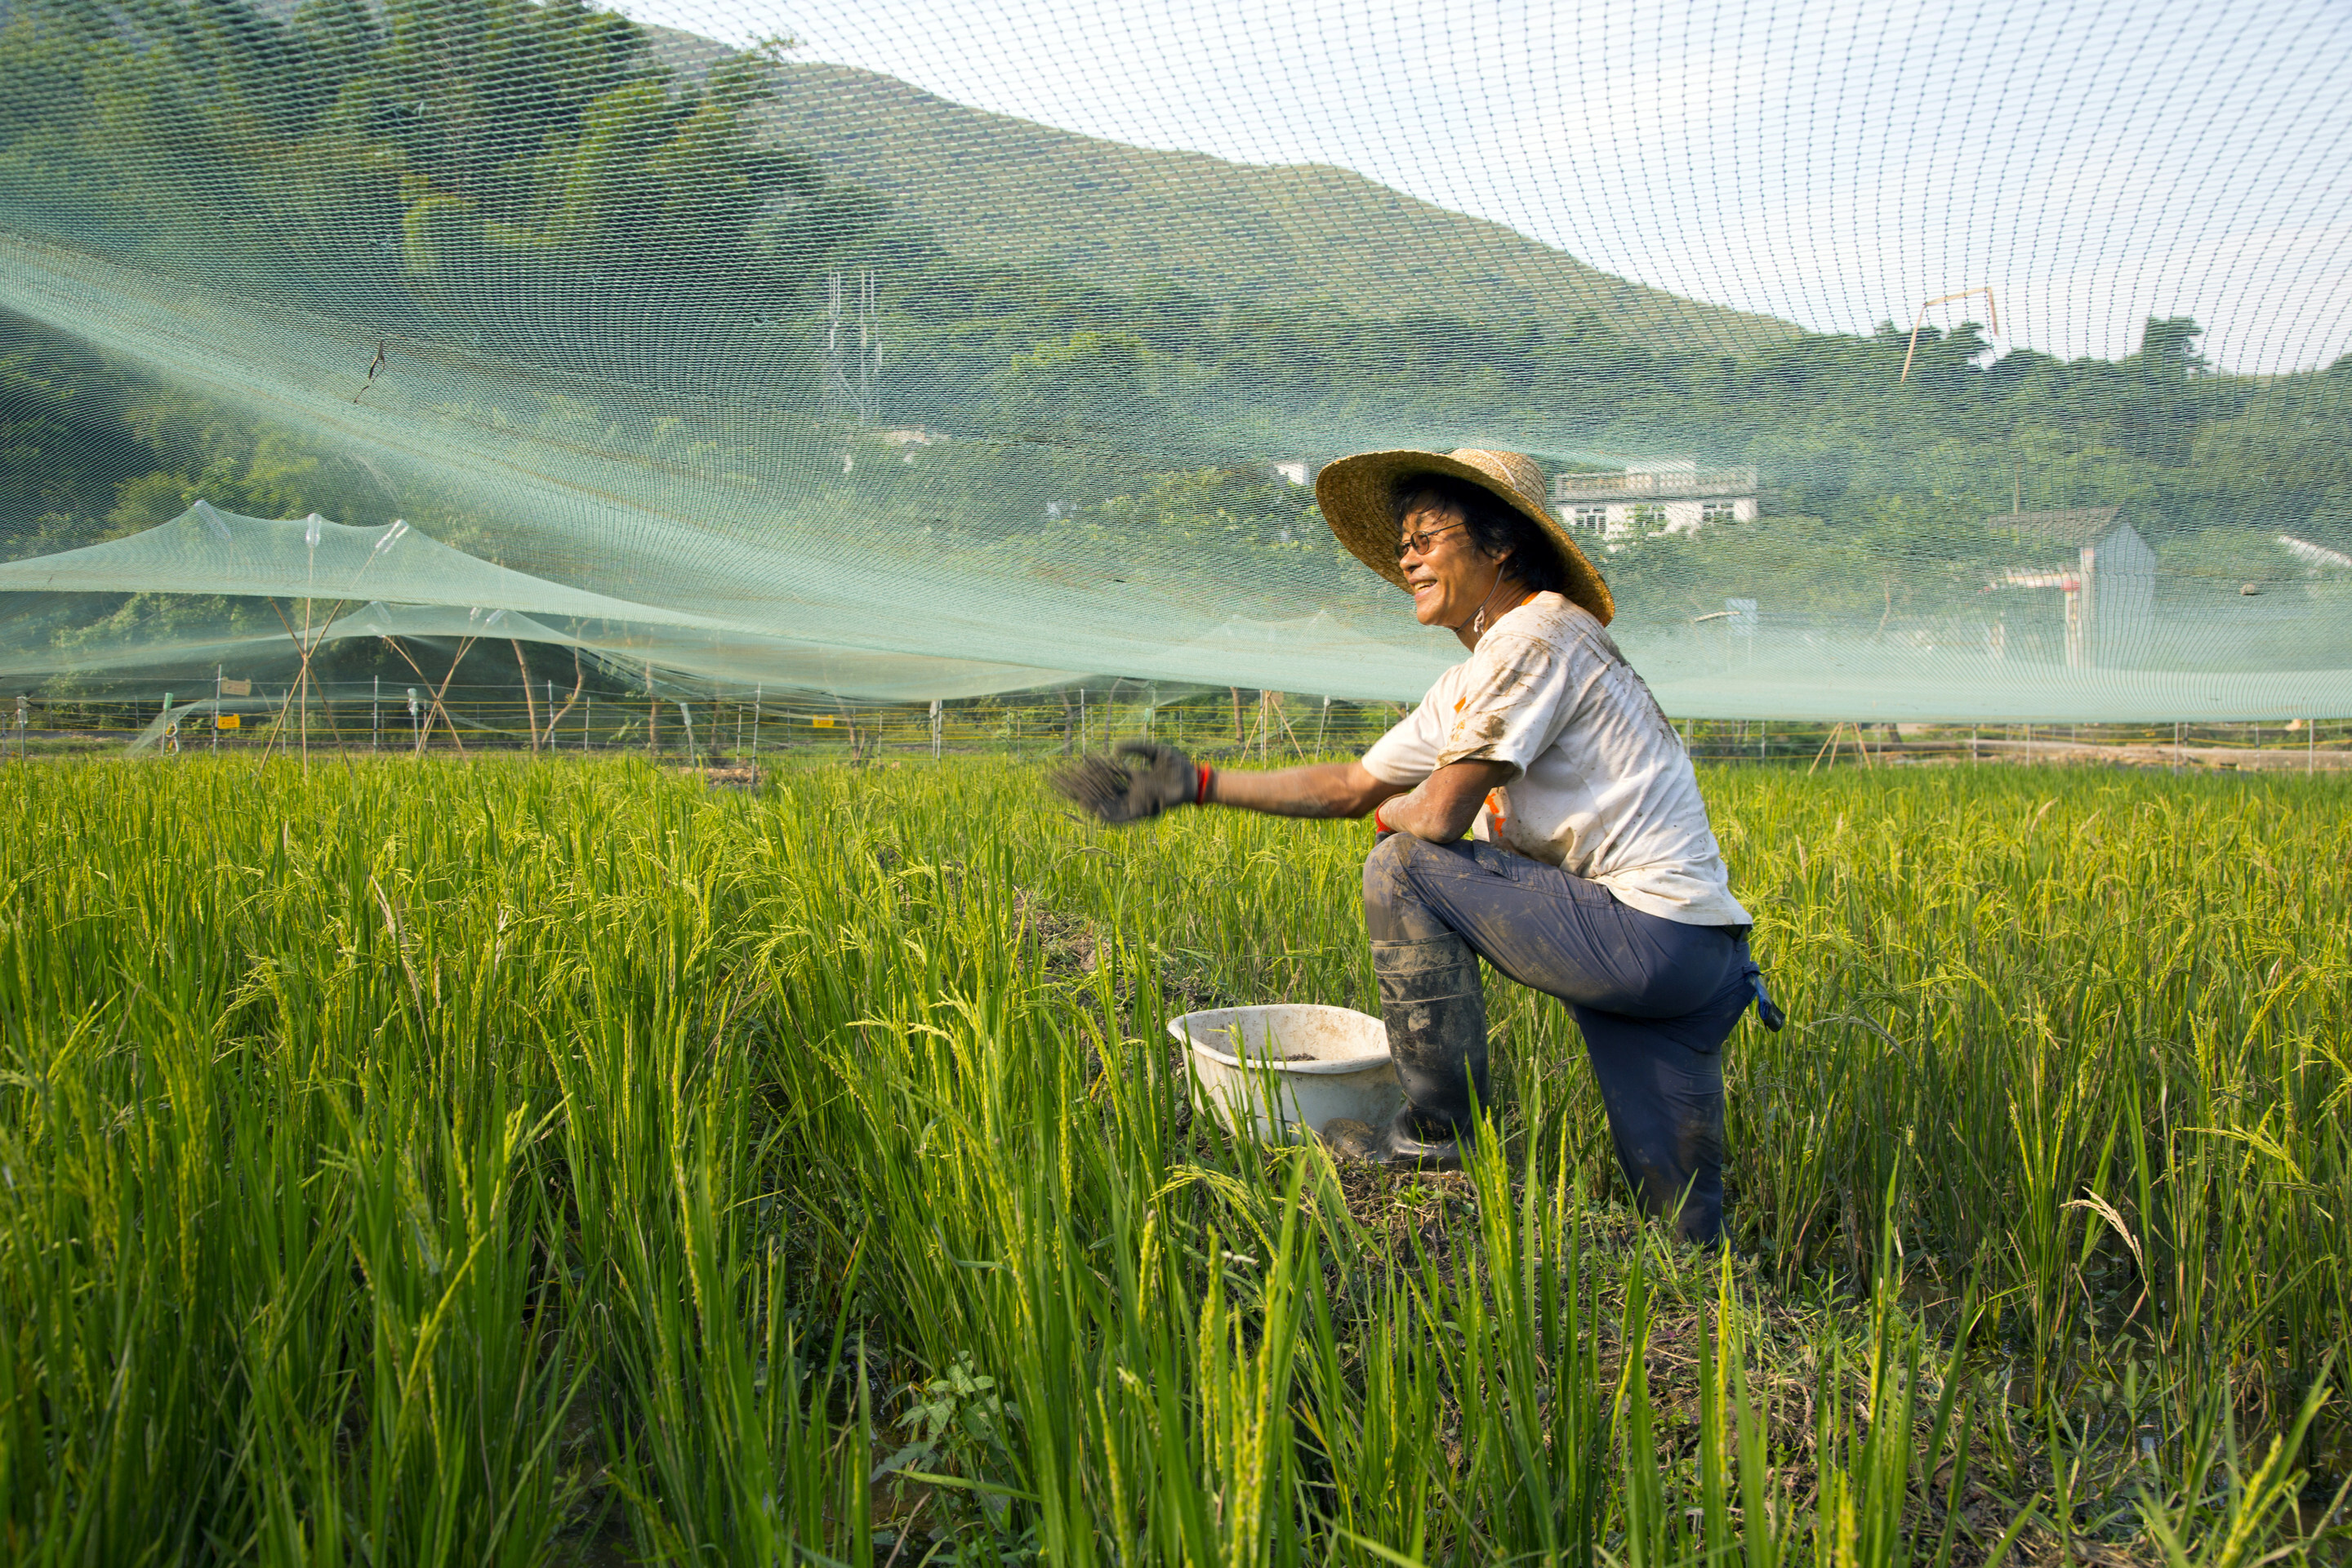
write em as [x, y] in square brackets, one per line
[852, 384]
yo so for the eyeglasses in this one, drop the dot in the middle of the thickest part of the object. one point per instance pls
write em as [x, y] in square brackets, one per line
[1418, 544]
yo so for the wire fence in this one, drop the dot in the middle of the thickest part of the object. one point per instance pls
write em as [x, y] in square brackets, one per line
[715, 727]
[725, 729]
[2315, 745]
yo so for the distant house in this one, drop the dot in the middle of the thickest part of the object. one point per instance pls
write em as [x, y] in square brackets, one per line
[1662, 495]
[1297, 470]
[2102, 566]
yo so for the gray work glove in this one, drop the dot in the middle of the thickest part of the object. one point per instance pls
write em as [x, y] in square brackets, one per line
[1147, 779]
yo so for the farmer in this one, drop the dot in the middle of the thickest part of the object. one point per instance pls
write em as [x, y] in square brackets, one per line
[1589, 872]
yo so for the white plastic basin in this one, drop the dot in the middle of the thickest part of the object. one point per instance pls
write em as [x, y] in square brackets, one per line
[1274, 1070]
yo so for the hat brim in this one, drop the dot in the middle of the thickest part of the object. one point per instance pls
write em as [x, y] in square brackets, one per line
[1356, 494]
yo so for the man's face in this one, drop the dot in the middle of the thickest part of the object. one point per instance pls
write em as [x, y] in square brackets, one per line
[1449, 578]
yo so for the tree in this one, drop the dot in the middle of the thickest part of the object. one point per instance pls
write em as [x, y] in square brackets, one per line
[1088, 382]
[2167, 349]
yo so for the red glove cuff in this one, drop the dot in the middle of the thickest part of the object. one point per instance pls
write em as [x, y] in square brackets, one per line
[1201, 786]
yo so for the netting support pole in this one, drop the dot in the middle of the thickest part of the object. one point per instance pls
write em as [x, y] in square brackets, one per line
[653, 716]
[217, 710]
[938, 719]
[301, 687]
[530, 708]
[757, 693]
[554, 714]
[375, 716]
[439, 692]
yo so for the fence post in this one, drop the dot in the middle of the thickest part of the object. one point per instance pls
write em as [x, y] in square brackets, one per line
[939, 718]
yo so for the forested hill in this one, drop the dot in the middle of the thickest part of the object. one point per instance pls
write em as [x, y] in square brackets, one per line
[603, 234]
[997, 189]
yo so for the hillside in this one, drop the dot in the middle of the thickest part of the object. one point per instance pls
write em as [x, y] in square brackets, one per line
[996, 188]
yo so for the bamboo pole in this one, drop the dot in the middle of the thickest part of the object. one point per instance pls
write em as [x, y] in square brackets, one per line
[530, 708]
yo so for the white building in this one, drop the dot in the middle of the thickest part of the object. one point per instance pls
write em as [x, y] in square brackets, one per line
[2103, 570]
[1659, 495]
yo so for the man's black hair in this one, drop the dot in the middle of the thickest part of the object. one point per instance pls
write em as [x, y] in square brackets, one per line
[1495, 526]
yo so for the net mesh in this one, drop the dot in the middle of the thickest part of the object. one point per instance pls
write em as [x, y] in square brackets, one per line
[1975, 367]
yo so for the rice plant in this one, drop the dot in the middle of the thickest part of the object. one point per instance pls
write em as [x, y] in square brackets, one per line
[409, 1162]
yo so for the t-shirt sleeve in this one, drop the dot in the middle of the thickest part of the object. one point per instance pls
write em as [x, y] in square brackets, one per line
[1513, 701]
[1407, 752]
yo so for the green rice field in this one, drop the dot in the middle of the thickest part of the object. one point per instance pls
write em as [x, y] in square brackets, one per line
[501, 1162]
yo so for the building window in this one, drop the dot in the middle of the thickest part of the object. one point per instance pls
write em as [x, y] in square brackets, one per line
[1718, 511]
[1649, 518]
[1595, 518]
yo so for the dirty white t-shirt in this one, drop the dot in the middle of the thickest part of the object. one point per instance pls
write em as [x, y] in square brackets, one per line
[1601, 786]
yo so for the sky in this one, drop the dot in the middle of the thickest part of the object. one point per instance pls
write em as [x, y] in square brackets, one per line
[1833, 162]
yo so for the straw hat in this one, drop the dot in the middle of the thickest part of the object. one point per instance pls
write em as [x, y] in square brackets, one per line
[1357, 492]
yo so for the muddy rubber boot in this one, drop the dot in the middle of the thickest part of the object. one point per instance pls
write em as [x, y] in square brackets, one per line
[1665, 1117]
[1436, 1018]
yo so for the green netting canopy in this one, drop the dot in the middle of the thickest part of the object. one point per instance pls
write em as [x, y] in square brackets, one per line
[1980, 366]
[193, 575]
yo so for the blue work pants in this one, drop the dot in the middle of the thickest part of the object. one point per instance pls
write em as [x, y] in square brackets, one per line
[1655, 999]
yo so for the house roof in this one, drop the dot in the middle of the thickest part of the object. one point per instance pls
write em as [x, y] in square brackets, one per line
[2084, 525]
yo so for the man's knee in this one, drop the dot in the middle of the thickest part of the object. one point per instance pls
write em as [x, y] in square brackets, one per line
[1387, 882]
[1396, 902]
